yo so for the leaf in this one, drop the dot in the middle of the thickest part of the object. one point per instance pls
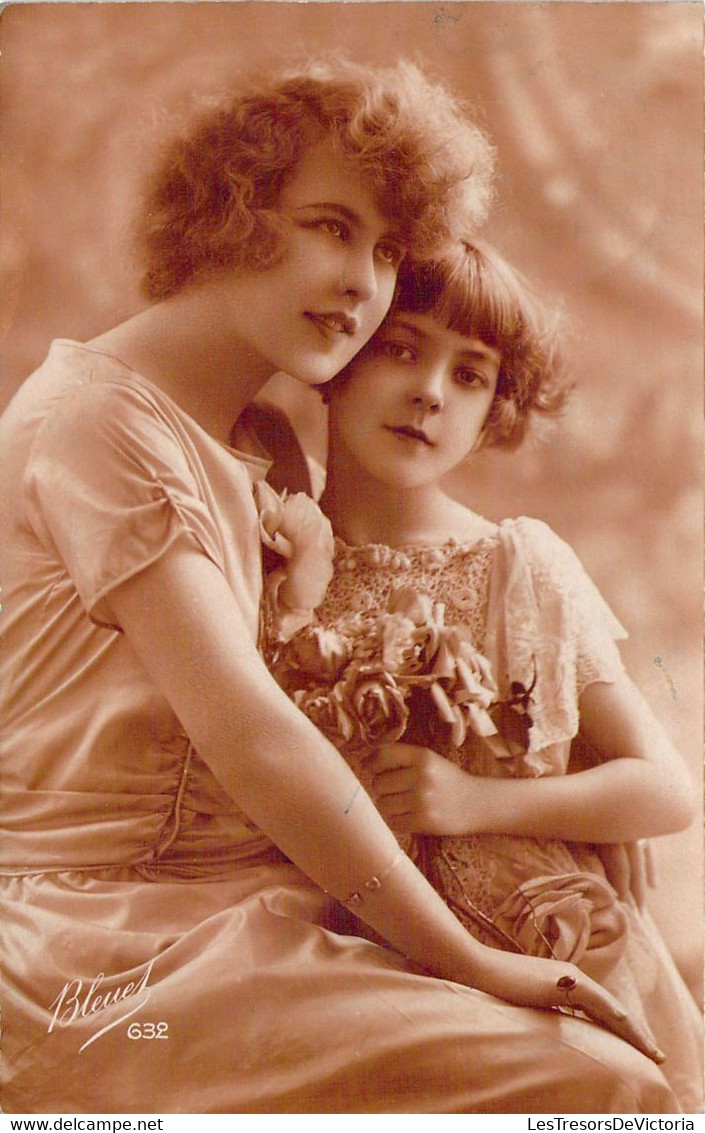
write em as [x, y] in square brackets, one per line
[514, 724]
[442, 703]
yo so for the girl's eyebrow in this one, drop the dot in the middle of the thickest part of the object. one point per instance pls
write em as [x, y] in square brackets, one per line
[483, 354]
[396, 323]
[479, 353]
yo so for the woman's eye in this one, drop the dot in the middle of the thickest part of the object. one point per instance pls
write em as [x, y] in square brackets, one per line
[391, 254]
[471, 378]
[334, 228]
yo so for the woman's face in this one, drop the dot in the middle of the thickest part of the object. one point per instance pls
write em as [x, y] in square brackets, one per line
[414, 403]
[313, 310]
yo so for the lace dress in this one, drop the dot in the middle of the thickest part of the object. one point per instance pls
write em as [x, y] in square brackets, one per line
[533, 612]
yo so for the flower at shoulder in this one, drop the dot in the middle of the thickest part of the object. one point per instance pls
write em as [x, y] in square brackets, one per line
[298, 533]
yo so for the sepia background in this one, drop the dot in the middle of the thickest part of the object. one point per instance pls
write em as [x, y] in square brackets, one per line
[595, 111]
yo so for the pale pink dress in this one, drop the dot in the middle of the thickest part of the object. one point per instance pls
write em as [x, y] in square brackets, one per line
[126, 866]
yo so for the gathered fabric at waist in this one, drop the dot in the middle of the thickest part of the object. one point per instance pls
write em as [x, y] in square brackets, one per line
[185, 868]
[187, 827]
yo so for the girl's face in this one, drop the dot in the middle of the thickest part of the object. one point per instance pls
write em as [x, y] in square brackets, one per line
[313, 310]
[414, 402]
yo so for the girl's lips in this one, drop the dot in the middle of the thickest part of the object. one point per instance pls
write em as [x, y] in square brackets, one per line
[410, 432]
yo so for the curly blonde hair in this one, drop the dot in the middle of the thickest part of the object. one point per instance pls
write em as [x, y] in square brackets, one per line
[473, 290]
[211, 203]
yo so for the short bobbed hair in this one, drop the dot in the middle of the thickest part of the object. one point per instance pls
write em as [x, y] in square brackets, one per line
[474, 291]
[211, 203]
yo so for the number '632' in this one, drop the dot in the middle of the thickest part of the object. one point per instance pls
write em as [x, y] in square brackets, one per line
[148, 1031]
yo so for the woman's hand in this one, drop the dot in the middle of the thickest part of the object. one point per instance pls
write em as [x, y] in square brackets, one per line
[418, 791]
[532, 982]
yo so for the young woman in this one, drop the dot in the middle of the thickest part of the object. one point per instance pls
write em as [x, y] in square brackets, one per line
[171, 819]
[478, 790]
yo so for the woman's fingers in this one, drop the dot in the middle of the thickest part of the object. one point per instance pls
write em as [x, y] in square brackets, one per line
[579, 993]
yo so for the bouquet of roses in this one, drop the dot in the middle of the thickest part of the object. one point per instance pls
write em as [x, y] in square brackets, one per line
[377, 677]
[395, 673]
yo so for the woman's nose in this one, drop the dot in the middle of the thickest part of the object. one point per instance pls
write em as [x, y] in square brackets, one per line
[360, 275]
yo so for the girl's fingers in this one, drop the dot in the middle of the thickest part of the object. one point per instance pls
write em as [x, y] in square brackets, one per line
[649, 863]
[393, 782]
[391, 756]
[393, 806]
[616, 861]
[401, 824]
[638, 873]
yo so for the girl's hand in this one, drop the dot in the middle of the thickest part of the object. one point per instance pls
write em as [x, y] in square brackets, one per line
[533, 982]
[418, 791]
[629, 868]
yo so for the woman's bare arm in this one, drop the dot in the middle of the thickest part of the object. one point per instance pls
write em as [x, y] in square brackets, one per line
[184, 625]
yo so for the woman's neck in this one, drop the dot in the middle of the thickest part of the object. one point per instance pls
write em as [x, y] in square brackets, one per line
[363, 510]
[179, 346]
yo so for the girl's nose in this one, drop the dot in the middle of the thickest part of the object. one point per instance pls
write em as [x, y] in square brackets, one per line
[427, 393]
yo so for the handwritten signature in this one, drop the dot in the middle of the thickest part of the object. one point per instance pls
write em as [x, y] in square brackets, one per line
[73, 1003]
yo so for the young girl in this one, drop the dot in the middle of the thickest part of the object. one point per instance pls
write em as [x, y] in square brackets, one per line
[489, 644]
[171, 820]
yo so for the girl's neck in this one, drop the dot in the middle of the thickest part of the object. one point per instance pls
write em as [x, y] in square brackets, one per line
[180, 347]
[363, 510]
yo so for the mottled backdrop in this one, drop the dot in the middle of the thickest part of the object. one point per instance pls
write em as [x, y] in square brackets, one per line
[595, 110]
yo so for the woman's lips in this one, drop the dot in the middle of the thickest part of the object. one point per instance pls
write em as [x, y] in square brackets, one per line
[335, 322]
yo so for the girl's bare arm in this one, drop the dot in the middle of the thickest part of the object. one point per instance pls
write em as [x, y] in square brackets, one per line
[641, 789]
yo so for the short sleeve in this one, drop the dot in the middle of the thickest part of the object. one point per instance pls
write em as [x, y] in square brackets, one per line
[548, 625]
[109, 487]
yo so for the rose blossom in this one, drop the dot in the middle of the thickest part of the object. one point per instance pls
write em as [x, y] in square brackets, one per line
[319, 653]
[324, 710]
[408, 648]
[295, 528]
[574, 917]
[376, 704]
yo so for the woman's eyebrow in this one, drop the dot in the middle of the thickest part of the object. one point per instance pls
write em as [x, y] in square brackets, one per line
[348, 214]
[344, 210]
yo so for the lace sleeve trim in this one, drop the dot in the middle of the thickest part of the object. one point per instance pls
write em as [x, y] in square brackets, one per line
[546, 619]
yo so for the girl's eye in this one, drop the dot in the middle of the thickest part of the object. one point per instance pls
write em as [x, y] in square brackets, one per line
[399, 351]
